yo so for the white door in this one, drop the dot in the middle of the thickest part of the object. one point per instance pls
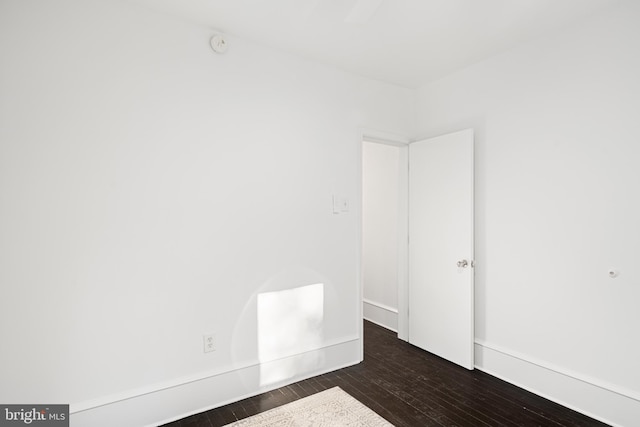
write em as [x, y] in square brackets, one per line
[441, 246]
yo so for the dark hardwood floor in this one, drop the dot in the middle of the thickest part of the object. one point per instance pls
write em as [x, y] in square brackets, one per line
[413, 388]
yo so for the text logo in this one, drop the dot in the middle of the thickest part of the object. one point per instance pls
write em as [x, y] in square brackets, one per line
[34, 415]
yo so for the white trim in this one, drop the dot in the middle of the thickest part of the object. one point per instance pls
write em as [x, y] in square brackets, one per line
[611, 404]
[245, 396]
[359, 239]
[380, 137]
[380, 314]
[622, 391]
[472, 255]
[156, 407]
[380, 305]
[403, 244]
[178, 382]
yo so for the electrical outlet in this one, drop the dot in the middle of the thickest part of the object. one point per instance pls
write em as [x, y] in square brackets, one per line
[209, 342]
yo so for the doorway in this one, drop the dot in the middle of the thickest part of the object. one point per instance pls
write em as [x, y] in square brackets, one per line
[384, 231]
[390, 272]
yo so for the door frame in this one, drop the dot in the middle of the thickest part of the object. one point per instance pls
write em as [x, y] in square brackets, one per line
[380, 137]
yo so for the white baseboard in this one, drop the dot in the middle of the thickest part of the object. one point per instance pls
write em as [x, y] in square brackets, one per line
[166, 404]
[380, 314]
[605, 402]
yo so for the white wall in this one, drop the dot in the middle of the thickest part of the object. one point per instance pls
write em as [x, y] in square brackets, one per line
[557, 184]
[380, 232]
[151, 190]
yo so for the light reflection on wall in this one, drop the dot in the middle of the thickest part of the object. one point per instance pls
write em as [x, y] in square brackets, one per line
[289, 323]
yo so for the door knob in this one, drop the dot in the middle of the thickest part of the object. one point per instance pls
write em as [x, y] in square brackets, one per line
[463, 263]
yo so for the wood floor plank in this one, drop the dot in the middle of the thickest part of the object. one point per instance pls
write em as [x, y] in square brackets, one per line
[450, 400]
[412, 388]
[215, 418]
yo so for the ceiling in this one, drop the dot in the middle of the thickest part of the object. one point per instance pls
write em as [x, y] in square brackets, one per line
[404, 42]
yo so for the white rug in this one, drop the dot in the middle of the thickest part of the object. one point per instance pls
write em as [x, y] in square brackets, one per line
[332, 407]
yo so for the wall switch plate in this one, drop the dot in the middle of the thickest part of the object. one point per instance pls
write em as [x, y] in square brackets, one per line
[209, 342]
[336, 204]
